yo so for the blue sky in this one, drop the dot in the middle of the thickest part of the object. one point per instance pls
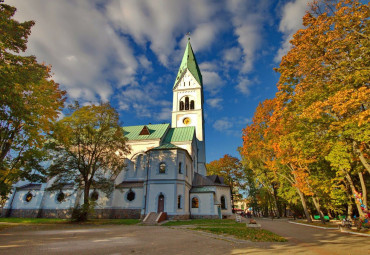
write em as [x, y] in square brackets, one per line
[129, 51]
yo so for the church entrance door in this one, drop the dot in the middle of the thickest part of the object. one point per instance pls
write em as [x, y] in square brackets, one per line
[160, 203]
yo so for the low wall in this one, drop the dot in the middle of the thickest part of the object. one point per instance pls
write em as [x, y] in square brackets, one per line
[204, 217]
[22, 213]
[66, 213]
[178, 217]
[117, 213]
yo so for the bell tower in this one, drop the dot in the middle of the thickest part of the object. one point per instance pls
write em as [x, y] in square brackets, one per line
[188, 102]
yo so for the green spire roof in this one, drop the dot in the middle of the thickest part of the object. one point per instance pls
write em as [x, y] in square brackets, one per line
[189, 62]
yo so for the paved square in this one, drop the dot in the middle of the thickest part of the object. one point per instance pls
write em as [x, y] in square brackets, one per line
[120, 239]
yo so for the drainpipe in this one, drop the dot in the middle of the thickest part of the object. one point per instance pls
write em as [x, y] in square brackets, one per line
[147, 178]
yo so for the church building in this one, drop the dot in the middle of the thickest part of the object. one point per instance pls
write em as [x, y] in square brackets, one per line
[165, 171]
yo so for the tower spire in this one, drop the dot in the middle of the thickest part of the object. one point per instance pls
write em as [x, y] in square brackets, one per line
[189, 62]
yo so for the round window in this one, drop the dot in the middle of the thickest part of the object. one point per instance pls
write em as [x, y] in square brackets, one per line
[60, 197]
[28, 197]
[94, 196]
[130, 195]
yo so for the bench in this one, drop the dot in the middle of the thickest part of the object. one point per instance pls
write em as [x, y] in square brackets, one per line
[317, 217]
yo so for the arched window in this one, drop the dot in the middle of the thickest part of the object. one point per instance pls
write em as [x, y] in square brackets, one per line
[186, 103]
[179, 202]
[94, 196]
[182, 105]
[195, 203]
[192, 105]
[162, 168]
[223, 202]
[130, 195]
[180, 168]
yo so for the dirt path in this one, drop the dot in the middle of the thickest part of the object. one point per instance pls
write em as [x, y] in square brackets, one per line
[115, 240]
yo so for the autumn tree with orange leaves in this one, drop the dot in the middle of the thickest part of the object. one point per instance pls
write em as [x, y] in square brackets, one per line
[319, 125]
[30, 101]
[231, 170]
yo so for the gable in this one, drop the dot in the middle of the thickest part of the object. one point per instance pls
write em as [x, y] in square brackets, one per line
[186, 81]
[145, 132]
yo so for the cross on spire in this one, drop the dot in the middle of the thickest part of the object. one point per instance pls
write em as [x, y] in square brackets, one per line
[188, 35]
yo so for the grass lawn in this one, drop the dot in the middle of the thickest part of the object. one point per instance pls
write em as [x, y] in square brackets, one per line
[32, 220]
[112, 221]
[200, 222]
[66, 221]
[331, 224]
[230, 227]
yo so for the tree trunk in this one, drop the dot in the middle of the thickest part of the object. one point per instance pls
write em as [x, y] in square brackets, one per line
[363, 187]
[349, 179]
[361, 156]
[350, 204]
[276, 205]
[330, 214]
[303, 200]
[85, 207]
[349, 210]
[318, 208]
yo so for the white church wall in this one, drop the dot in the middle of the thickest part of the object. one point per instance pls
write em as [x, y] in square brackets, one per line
[186, 198]
[180, 192]
[142, 146]
[169, 157]
[205, 202]
[19, 199]
[186, 146]
[224, 191]
[50, 200]
[120, 198]
[169, 193]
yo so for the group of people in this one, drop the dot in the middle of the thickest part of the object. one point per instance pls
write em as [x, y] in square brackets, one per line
[247, 214]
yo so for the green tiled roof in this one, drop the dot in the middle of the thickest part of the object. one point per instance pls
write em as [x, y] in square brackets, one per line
[157, 131]
[166, 146]
[180, 134]
[189, 62]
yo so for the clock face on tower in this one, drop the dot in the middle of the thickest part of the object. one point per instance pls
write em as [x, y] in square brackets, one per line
[186, 121]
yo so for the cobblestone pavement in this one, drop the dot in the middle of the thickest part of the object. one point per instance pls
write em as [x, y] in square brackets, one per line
[120, 239]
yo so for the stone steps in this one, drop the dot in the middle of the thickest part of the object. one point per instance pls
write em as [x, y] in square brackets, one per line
[154, 218]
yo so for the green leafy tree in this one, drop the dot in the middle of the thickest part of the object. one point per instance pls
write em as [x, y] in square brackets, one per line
[30, 102]
[324, 85]
[231, 169]
[88, 149]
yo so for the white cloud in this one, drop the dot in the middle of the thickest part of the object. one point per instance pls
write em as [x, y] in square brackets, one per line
[211, 79]
[94, 44]
[160, 22]
[212, 82]
[164, 114]
[231, 125]
[291, 21]
[233, 54]
[222, 124]
[76, 39]
[215, 102]
[143, 103]
[145, 63]
[248, 19]
[243, 85]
